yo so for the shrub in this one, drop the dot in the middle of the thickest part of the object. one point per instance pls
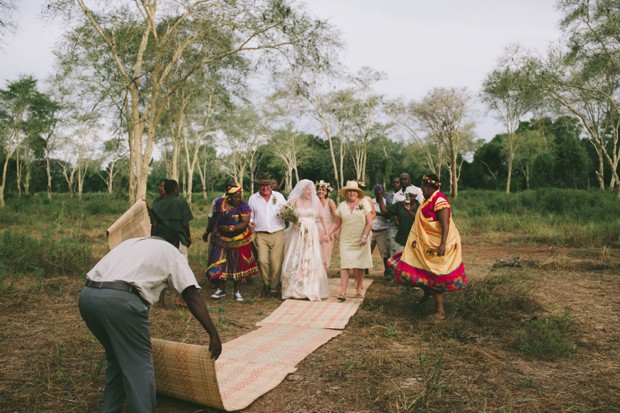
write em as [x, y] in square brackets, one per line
[23, 254]
[547, 337]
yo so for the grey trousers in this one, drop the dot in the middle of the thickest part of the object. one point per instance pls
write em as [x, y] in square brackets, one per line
[120, 321]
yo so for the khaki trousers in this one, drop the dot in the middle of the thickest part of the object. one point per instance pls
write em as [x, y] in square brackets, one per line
[381, 240]
[270, 250]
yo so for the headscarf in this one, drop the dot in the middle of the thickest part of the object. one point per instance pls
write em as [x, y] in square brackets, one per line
[434, 182]
[233, 189]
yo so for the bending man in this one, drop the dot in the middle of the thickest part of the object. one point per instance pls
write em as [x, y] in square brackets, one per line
[115, 303]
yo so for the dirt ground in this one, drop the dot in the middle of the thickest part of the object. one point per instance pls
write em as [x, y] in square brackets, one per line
[392, 356]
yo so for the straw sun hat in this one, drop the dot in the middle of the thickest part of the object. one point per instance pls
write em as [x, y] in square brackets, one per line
[351, 186]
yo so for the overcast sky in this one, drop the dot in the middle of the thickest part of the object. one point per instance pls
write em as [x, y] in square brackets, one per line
[418, 44]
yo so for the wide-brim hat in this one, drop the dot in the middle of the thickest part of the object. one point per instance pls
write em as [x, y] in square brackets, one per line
[263, 178]
[351, 186]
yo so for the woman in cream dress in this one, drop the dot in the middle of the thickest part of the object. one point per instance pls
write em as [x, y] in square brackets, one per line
[303, 271]
[354, 219]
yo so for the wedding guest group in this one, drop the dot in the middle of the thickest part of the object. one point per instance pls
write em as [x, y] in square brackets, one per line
[289, 242]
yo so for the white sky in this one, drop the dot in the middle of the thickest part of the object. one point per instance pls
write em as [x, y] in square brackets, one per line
[418, 44]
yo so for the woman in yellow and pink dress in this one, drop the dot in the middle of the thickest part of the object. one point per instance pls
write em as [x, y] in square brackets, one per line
[432, 258]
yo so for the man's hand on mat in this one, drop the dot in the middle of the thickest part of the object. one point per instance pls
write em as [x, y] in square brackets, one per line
[215, 346]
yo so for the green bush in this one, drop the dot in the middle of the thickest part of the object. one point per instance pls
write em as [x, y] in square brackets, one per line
[556, 216]
[22, 254]
[104, 204]
[547, 337]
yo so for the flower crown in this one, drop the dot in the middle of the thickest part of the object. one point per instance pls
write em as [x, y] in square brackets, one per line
[431, 181]
[324, 185]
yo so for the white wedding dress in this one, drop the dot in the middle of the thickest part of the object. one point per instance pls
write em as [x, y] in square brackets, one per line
[303, 271]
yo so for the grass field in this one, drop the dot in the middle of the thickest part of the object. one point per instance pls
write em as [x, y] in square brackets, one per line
[537, 337]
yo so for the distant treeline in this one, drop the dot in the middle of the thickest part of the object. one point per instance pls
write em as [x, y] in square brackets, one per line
[555, 157]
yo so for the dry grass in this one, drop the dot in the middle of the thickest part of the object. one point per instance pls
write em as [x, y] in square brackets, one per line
[392, 357]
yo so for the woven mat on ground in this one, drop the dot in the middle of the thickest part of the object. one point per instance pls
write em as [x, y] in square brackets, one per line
[309, 314]
[255, 363]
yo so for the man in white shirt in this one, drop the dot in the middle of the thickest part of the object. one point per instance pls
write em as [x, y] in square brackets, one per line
[268, 227]
[115, 304]
[407, 188]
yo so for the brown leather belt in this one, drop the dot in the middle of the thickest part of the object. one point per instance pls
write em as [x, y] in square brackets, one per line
[113, 285]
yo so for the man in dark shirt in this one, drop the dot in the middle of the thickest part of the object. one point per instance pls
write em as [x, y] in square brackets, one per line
[405, 218]
[175, 213]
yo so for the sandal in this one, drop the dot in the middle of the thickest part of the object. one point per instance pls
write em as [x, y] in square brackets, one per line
[359, 293]
[342, 298]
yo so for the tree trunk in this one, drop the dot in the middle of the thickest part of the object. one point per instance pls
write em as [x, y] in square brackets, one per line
[48, 170]
[4, 170]
[508, 179]
[18, 173]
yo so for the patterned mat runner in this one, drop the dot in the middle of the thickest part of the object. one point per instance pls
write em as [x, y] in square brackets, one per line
[255, 363]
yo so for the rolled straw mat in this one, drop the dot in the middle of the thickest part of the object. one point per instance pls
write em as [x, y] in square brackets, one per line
[134, 223]
[249, 366]
[255, 363]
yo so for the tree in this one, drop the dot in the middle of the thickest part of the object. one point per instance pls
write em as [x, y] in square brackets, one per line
[509, 92]
[321, 110]
[403, 114]
[25, 113]
[285, 110]
[155, 48]
[7, 11]
[583, 79]
[532, 144]
[243, 135]
[444, 115]
[208, 165]
[113, 152]
[212, 88]
[80, 151]
[365, 110]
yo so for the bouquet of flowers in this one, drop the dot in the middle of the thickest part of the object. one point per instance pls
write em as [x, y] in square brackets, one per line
[288, 213]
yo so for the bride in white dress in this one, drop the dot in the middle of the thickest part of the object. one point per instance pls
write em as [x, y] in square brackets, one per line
[303, 272]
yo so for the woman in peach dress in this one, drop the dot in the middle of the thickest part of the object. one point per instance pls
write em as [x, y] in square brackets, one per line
[323, 189]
